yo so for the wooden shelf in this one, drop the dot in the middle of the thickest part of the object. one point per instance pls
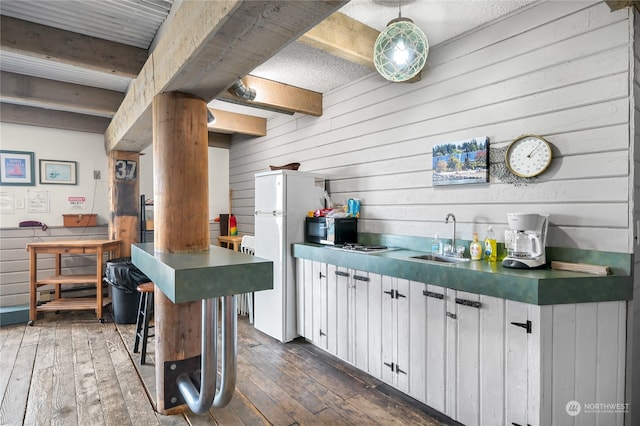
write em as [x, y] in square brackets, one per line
[72, 304]
[99, 248]
[68, 279]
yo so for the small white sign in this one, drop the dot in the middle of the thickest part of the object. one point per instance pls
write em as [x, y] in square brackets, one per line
[76, 203]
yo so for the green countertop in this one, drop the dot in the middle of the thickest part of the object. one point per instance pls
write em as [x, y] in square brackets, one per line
[539, 287]
[187, 277]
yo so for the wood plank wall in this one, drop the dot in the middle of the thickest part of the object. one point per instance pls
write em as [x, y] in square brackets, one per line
[633, 330]
[558, 69]
[14, 258]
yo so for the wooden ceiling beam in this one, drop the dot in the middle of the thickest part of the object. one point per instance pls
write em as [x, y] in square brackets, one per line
[278, 96]
[344, 37]
[204, 49]
[31, 116]
[52, 94]
[231, 122]
[39, 41]
[621, 4]
[219, 140]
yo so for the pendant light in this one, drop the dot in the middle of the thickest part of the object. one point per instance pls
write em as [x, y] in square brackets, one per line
[401, 50]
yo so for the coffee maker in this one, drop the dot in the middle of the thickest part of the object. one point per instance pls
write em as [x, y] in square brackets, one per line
[525, 240]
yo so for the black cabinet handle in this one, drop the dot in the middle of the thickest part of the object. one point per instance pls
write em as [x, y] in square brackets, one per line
[390, 293]
[525, 325]
[470, 303]
[399, 371]
[433, 294]
[322, 333]
[322, 276]
[390, 365]
[360, 278]
[398, 295]
[452, 315]
[342, 274]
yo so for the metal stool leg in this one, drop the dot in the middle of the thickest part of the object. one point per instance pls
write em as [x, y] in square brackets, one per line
[145, 330]
[139, 321]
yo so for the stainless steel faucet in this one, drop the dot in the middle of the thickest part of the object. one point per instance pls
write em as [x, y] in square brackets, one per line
[453, 237]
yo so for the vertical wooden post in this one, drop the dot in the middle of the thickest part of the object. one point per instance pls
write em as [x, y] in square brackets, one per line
[124, 198]
[181, 208]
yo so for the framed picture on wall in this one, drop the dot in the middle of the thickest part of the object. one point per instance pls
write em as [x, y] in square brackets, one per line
[58, 172]
[463, 162]
[17, 168]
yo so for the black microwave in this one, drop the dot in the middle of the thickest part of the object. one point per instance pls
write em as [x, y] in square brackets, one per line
[330, 230]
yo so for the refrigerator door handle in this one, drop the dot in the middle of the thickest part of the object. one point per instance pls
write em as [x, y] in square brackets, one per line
[269, 213]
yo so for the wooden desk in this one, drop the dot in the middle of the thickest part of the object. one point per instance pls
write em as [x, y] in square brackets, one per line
[58, 248]
[232, 241]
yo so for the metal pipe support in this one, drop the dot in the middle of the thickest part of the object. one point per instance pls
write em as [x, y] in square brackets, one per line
[200, 401]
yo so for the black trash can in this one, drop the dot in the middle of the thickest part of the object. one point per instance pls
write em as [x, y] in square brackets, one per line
[124, 278]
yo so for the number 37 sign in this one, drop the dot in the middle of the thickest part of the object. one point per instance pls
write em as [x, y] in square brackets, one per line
[126, 169]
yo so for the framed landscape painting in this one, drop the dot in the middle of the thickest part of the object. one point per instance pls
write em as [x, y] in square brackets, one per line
[17, 168]
[58, 172]
[463, 162]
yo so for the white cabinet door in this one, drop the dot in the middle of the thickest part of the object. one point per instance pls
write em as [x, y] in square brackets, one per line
[301, 294]
[359, 336]
[395, 332]
[475, 391]
[374, 323]
[338, 301]
[319, 289]
[518, 331]
[435, 352]
[389, 309]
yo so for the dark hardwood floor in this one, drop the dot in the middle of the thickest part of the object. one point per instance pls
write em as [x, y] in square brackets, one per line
[69, 369]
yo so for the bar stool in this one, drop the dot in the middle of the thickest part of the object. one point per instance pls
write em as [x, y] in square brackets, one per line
[145, 310]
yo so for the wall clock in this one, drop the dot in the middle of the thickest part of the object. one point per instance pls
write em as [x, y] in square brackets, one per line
[528, 156]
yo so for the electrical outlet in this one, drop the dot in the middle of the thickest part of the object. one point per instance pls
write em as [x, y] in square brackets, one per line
[96, 174]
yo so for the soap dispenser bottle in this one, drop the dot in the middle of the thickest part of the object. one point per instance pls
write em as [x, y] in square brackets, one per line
[490, 246]
[436, 245]
[475, 248]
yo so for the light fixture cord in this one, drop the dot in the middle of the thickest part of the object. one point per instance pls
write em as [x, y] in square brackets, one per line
[399, 11]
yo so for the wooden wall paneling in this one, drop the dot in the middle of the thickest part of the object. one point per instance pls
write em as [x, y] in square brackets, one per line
[14, 259]
[557, 70]
[527, 20]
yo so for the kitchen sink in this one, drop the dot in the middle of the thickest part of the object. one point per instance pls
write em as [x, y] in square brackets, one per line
[440, 259]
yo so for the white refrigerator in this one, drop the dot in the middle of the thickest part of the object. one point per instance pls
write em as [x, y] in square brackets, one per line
[282, 200]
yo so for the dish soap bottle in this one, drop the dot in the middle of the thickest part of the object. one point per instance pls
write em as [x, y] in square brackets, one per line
[436, 245]
[475, 248]
[490, 246]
